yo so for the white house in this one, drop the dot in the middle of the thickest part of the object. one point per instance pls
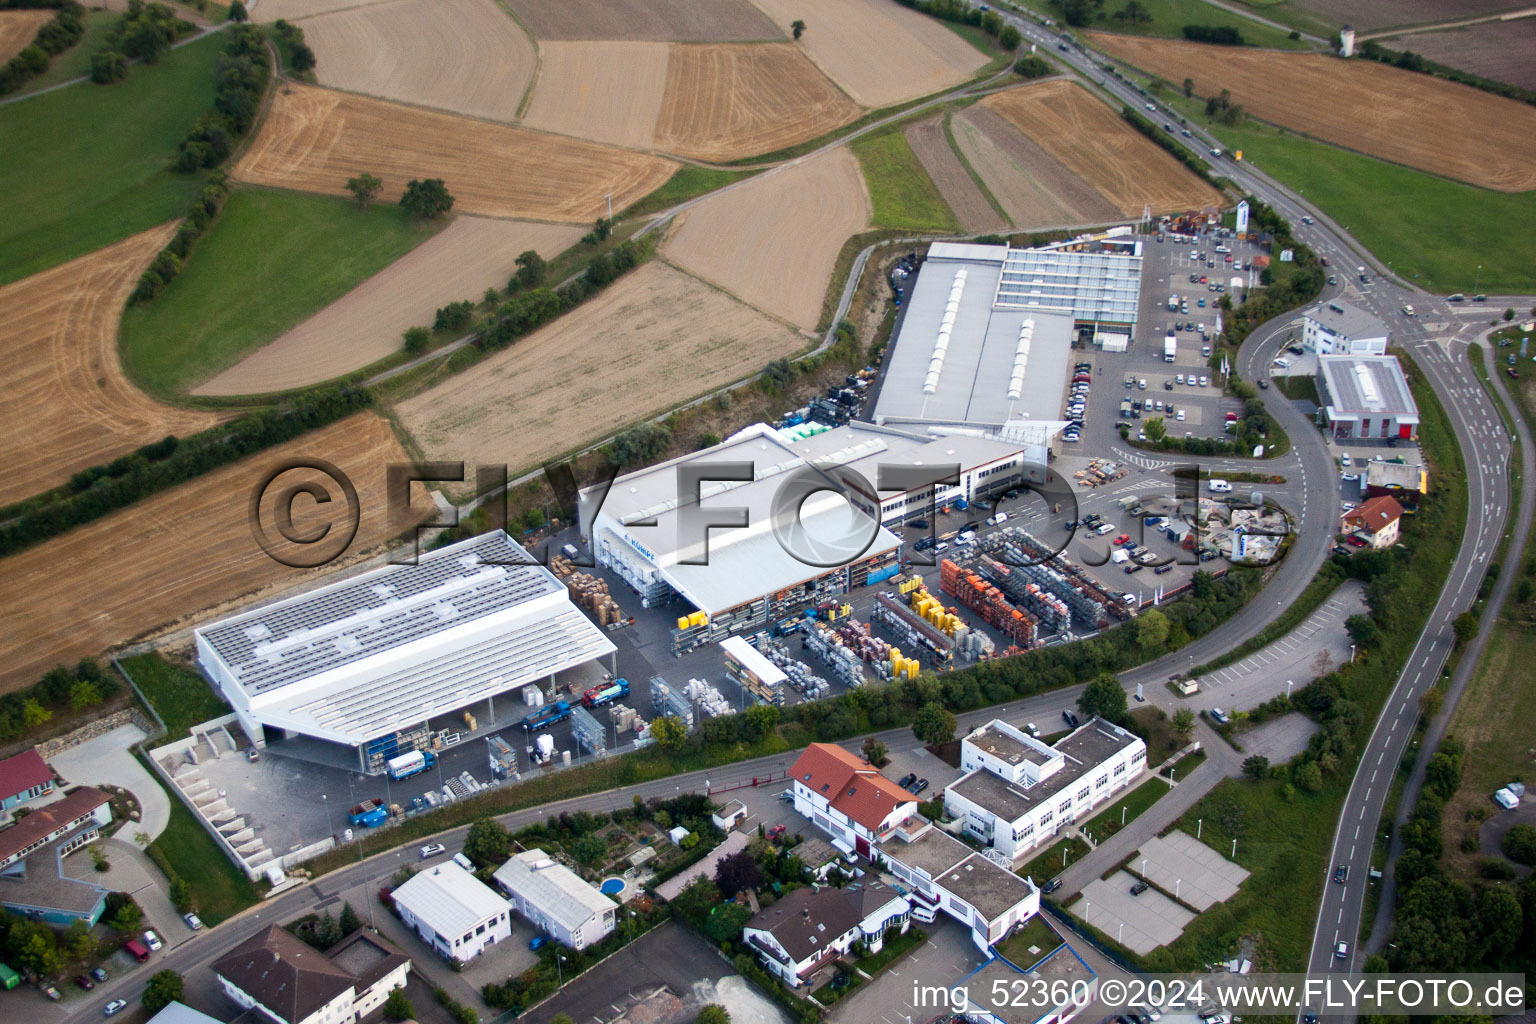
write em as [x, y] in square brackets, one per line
[1337, 328]
[1018, 792]
[847, 797]
[950, 877]
[453, 911]
[810, 927]
[555, 899]
[731, 815]
[287, 981]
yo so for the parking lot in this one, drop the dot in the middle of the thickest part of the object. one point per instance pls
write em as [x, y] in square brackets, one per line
[1140, 923]
[1181, 864]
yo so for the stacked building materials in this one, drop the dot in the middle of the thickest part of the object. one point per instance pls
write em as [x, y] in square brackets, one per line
[1090, 603]
[973, 644]
[911, 629]
[503, 759]
[845, 663]
[989, 602]
[590, 734]
[561, 566]
[626, 719]
[667, 701]
[1048, 608]
[798, 673]
[591, 594]
[706, 698]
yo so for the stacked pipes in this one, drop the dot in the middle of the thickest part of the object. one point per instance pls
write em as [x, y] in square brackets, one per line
[591, 593]
[706, 698]
[982, 597]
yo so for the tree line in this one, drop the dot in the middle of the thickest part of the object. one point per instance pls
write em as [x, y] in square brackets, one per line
[60, 690]
[1410, 61]
[145, 32]
[53, 38]
[1183, 154]
[960, 12]
[1220, 35]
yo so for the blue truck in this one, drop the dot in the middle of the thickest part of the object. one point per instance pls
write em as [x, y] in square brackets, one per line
[368, 814]
[414, 763]
[547, 716]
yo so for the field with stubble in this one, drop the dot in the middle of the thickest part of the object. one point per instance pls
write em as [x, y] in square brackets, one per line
[1035, 188]
[772, 241]
[292, 10]
[17, 28]
[879, 52]
[930, 145]
[650, 341]
[682, 21]
[1500, 50]
[315, 139]
[396, 51]
[1096, 146]
[605, 91]
[68, 404]
[732, 101]
[1427, 123]
[175, 553]
[366, 324]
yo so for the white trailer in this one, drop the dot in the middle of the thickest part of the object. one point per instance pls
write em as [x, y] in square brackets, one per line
[1170, 348]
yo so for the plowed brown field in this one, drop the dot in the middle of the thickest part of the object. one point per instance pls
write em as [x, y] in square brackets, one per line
[1500, 50]
[67, 402]
[17, 29]
[1095, 144]
[605, 91]
[732, 101]
[654, 339]
[880, 52]
[315, 139]
[931, 146]
[459, 262]
[772, 241]
[683, 21]
[174, 554]
[1437, 126]
[1033, 186]
[397, 51]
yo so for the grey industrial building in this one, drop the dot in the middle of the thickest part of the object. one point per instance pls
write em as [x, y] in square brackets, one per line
[1365, 398]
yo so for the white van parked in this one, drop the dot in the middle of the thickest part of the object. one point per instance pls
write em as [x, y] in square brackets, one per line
[1219, 487]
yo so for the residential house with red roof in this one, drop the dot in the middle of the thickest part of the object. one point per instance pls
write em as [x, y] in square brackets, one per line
[1377, 521]
[24, 777]
[847, 797]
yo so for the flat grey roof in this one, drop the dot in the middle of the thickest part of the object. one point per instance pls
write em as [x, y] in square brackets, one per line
[990, 889]
[1024, 1005]
[1366, 385]
[995, 793]
[1004, 747]
[934, 852]
[1103, 287]
[1347, 321]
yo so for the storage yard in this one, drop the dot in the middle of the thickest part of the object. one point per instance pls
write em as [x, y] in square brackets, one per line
[880, 52]
[792, 221]
[1424, 122]
[930, 144]
[1096, 145]
[1500, 50]
[682, 21]
[654, 338]
[315, 139]
[365, 325]
[605, 91]
[731, 101]
[17, 29]
[1032, 186]
[466, 56]
[173, 554]
[69, 405]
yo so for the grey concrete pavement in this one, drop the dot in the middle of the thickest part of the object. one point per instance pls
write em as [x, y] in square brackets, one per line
[107, 760]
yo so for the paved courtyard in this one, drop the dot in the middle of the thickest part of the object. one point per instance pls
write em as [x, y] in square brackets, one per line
[1181, 864]
[1140, 923]
[106, 760]
[945, 959]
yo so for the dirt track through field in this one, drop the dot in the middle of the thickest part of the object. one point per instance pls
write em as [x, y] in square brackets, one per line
[18, 29]
[773, 240]
[931, 146]
[467, 56]
[292, 10]
[604, 91]
[315, 139]
[175, 553]
[366, 324]
[1097, 146]
[1033, 186]
[732, 101]
[1500, 50]
[1375, 14]
[1452, 130]
[880, 52]
[683, 21]
[653, 339]
[68, 404]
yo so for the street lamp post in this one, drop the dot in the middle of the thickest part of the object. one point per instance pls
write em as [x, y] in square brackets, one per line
[1234, 849]
[1477, 278]
[330, 823]
[1177, 882]
[1199, 823]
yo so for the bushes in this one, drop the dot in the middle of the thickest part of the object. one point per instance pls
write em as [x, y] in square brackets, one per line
[108, 66]
[1222, 35]
[454, 317]
[238, 84]
[86, 685]
[146, 31]
[532, 307]
[52, 39]
[168, 262]
[1031, 66]
[1184, 155]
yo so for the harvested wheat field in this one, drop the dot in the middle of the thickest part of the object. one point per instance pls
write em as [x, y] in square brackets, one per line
[880, 52]
[681, 21]
[772, 241]
[17, 29]
[365, 325]
[395, 51]
[1097, 146]
[654, 339]
[1452, 130]
[732, 101]
[1035, 188]
[176, 553]
[292, 10]
[1500, 50]
[68, 404]
[315, 139]
[604, 91]
[931, 146]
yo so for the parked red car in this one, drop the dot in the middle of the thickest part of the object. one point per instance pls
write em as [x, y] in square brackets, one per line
[1124, 538]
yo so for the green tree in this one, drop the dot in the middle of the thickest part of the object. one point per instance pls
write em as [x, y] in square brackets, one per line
[34, 714]
[1183, 724]
[1509, 314]
[108, 66]
[83, 694]
[670, 733]
[77, 941]
[1519, 844]
[1009, 38]
[934, 725]
[181, 895]
[1465, 627]
[738, 873]
[398, 1006]
[874, 752]
[798, 28]
[164, 988]
[365, 187]
[487, 842]
[531, 269]
[426, 197]
[417, 339]
[302, 58]
[713, 1013]
[237, 11]
[759, 721]
[1152, 631]
[1155, 429]
[32, 947]
[1361, 628]
[349, 920]
[1104, 697]
[1309, 776]
[1189, 88]
[1500, 920]
[1256, 766]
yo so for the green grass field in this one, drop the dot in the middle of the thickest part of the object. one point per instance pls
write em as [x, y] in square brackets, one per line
[219, 889]
[903, 195]
[104, 172]
[1170, 16]
[1108, 821]
[271, 259]
[688, 183]
[180, 696]
[75, 61]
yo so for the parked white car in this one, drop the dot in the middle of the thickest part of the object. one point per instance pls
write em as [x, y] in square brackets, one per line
[1219, 487]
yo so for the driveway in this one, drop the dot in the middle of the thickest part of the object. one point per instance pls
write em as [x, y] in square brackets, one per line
[132, 871]
[107, 760]
[945, 959]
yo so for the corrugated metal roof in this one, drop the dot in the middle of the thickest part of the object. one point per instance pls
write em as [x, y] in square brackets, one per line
[449, 900]
[552, 887]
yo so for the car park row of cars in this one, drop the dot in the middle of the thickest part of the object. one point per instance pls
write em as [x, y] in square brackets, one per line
[1077, 401]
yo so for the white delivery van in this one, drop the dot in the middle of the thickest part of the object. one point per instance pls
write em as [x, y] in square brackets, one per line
[1219, 487]
[1001, 517]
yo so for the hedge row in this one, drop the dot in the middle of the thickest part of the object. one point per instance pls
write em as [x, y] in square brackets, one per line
[60, 690]
[1183, 154]
[52, 39]
[1410, 61]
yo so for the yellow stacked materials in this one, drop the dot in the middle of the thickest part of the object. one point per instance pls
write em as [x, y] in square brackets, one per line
[682, 622]
[698, 619]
